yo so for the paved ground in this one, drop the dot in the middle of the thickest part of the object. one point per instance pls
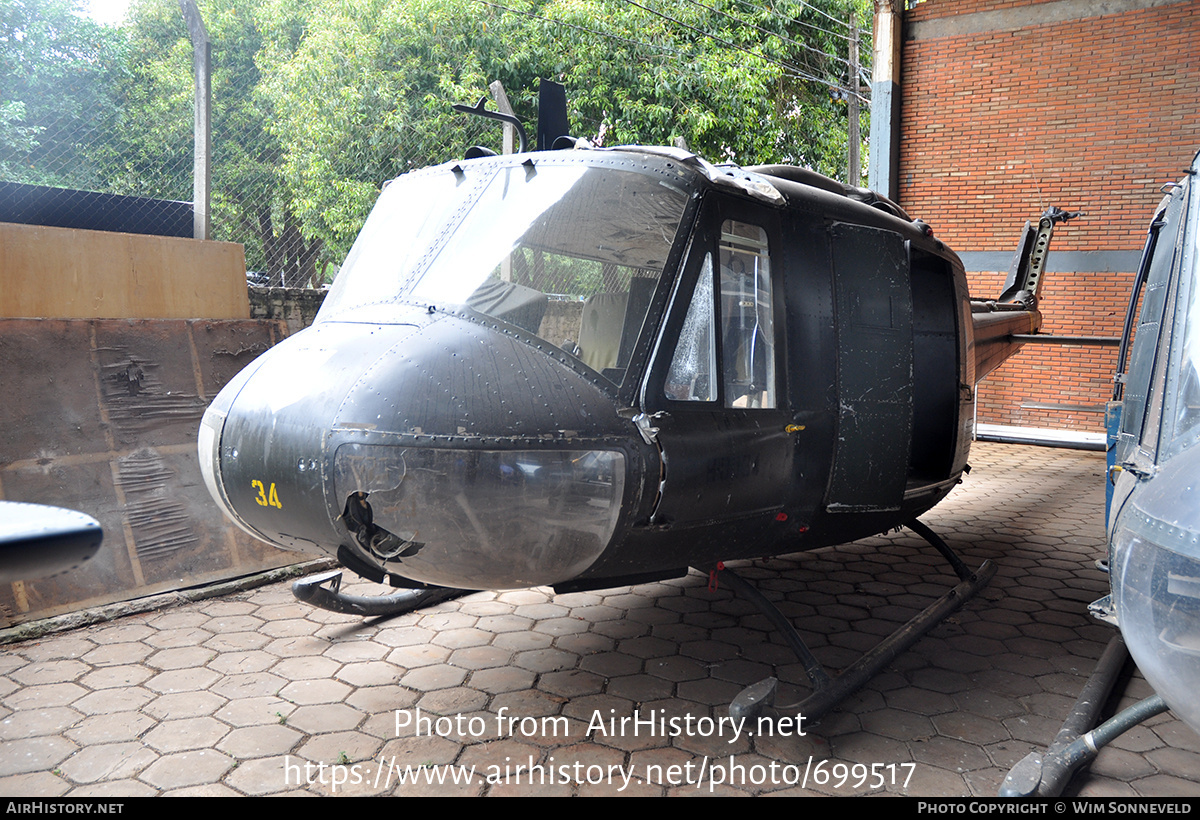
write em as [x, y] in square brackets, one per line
[253, 693]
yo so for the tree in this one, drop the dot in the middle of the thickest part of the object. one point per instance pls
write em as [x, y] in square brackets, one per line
[150, 151]
[317, 102]
[57, 67]
[738, 81]
[365, 94]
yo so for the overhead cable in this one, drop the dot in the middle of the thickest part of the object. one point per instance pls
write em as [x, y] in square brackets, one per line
[788, 67]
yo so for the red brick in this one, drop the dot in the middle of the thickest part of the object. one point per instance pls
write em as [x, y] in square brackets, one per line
[1092, 114]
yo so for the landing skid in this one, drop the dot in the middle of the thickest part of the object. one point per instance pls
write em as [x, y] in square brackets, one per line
[830, 690]
[1048, 775]
[311, 590]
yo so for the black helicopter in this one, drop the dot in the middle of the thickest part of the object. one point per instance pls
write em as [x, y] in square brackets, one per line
[598, 367]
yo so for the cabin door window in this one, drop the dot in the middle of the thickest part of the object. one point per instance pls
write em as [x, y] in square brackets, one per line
[747, 316]
[721, 424]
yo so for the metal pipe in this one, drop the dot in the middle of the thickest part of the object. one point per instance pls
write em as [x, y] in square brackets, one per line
[1048, 775]
[1079, 341]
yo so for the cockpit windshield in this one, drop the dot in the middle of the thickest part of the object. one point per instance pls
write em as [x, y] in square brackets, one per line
[569, 252]
[1182, 422]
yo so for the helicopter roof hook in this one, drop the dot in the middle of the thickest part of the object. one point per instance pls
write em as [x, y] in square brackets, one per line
[479, 111]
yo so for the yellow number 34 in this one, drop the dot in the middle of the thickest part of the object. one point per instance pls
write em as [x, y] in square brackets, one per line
[266, 498]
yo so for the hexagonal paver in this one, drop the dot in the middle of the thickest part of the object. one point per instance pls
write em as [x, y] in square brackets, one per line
[230, 695]
[184, 705]
[114, 728]
[111, 677]
[480, 657]
[309, 692]
[112, 761]
[188, 733]
[59, 671]
[182, 680]
[328, 717]
[187, 769]
[259, 741]
[33, 754]
[34, 723]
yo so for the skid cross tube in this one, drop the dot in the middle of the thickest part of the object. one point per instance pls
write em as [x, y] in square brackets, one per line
[311, 590]
[830, 690]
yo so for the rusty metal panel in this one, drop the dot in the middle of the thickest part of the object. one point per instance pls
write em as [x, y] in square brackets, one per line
[40, 382]
[148, 383]
[101, 415]
[224, 348]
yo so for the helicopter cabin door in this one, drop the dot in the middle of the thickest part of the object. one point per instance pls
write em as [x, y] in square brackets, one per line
[873, 316]
[715, 391]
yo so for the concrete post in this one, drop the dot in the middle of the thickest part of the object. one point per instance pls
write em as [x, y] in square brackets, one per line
[202, 68]
[883, 170]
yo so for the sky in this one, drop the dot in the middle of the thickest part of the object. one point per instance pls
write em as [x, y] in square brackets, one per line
[108, 11]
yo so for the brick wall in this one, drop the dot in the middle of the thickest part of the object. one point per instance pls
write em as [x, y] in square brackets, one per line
[933, 9]
[1009, 107]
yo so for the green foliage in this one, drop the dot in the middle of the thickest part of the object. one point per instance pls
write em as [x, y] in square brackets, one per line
[317, 102]
[17, 140]
[56, 71]
[151, 152]
[148, 149]
[365, 93]
[366, 96]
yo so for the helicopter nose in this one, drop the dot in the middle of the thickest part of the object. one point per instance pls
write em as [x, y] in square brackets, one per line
[1155, 569]
[450, 453]
[480, 518]
[262, 439]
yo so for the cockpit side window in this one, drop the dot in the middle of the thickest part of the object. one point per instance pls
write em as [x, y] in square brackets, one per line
[694, 364]
[1182, 410]
[1139, 420]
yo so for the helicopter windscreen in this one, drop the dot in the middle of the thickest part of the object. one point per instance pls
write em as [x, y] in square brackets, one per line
[570, 253]
[1184, 380]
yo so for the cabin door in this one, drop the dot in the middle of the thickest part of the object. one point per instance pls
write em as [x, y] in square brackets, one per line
[874, 319]
[715, 391]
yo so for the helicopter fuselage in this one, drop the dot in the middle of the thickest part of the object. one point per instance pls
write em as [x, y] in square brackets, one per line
[591, 368]
[1154, 519]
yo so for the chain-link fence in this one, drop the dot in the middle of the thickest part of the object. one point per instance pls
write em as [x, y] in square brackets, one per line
[97, 132]
[66, 154]
[97, 121]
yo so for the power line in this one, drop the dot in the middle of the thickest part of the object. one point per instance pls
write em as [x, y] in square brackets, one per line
[788, 67]
[581, 28]
[812, 26]
[804, 46]
[823, 13]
